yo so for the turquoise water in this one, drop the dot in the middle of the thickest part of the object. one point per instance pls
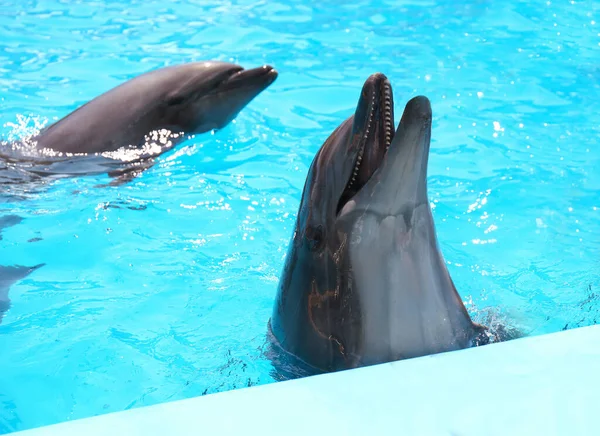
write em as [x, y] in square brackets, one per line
[161, 289]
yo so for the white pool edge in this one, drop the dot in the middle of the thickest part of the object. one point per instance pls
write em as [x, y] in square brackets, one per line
[546, 384]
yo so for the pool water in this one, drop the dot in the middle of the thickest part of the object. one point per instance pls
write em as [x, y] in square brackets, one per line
[161, 289]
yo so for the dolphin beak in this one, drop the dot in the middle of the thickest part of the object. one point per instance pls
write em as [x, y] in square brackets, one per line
[260, 77]
[404, 169]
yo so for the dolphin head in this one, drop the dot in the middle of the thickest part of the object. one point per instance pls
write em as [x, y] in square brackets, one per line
[364, 281]
[207, 95]
[182, 99]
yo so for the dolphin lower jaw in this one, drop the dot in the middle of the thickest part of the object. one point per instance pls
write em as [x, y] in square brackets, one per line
[408, 303]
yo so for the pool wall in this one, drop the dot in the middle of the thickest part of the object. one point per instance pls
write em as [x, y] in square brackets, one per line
[546, 384]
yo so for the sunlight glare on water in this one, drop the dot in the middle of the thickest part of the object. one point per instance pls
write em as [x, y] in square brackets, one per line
[161, 289]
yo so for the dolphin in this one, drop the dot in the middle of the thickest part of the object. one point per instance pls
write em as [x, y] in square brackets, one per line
[150, 114]
[364, 281]
[8, 276]
[8, 221]
[11, 274]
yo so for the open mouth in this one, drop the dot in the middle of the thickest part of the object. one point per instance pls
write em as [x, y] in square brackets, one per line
[373, 128]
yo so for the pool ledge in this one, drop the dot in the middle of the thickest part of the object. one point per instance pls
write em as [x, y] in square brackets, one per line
[546, 385]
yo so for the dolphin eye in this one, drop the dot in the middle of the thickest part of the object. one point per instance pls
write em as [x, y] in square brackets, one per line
[175, 100]
[315, 237]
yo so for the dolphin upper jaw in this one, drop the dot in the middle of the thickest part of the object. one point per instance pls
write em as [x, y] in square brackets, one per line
[260, 77]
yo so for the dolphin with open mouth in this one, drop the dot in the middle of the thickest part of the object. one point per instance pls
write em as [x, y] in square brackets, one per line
[364, 281]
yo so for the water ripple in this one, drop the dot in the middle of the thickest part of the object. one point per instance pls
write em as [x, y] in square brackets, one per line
[161, 289]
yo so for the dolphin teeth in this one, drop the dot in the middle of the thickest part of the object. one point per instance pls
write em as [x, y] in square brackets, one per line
[385, 109]
[388, 117]
[362, 148]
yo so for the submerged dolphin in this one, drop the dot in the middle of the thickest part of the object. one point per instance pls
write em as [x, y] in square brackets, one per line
[150, 113]
[11, 274]
[8, 221]
[364, 281]
[8, 276]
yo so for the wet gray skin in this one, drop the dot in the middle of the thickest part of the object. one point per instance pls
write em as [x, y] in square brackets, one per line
[364, 280]
[191, 98]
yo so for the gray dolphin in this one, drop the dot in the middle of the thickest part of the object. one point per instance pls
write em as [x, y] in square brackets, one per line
[151, 112]
[11, 274]
[8, 276]
[364, 281]
[8, 221]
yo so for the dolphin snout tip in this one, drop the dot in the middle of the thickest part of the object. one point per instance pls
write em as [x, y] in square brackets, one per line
[375, 81]
[378, 76]
[419, 108]
[271, 72]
